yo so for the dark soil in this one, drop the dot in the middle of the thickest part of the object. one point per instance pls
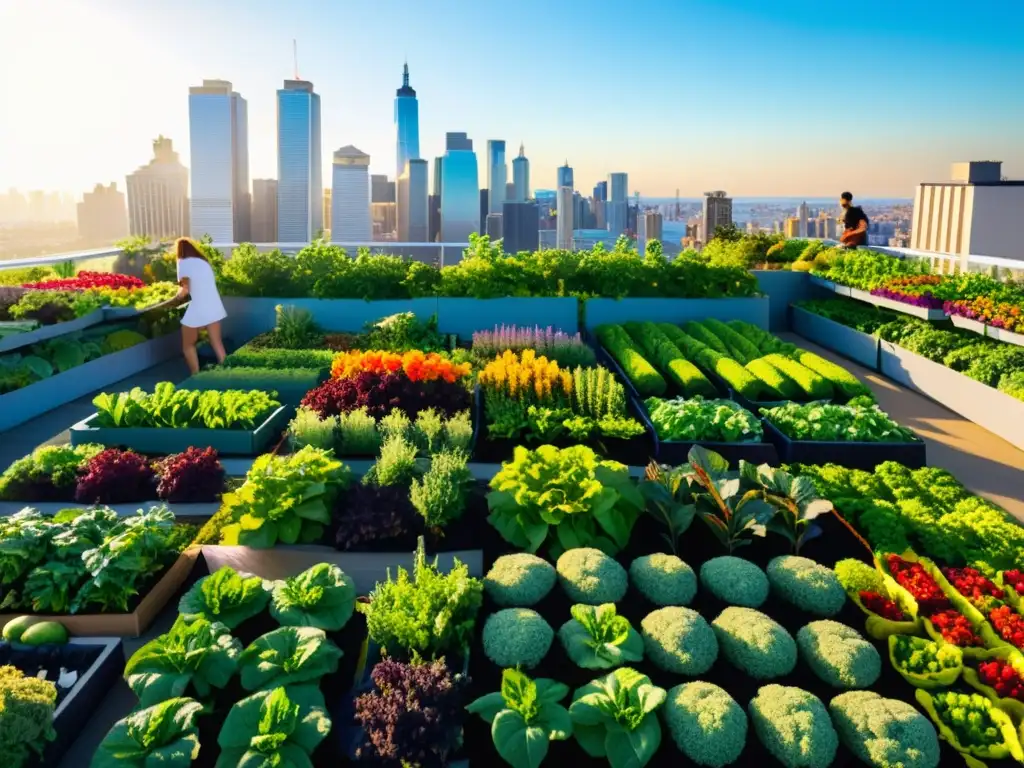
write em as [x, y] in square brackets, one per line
[51, 659]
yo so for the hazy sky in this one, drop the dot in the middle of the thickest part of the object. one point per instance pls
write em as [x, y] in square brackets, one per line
[790, 97]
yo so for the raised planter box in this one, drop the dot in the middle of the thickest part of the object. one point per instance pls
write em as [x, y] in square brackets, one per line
[97, 661]
[828, 285]
[17, 341]
[365, 568]
[753, 310]
[967, 324]
[850, 343]
[202, 509]
[1001, 334]
[985, 406]
[932, 315]
[464, 316]
[852, 455]
[28, 402]
[290, 394]
[126, 624]
[784, 287]
[238, 442]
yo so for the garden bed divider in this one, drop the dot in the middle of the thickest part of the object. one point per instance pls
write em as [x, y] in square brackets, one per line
[44, 332]
[198, 509]
[291, 394]
[855, 345]
[853, 455]
[126, 624]
[986, 406]
[26, 403]
[925, 313]
[967, 324]
[1005, 336]
[164, 440]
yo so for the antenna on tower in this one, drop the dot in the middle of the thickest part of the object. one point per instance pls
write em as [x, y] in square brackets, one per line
[295, 57]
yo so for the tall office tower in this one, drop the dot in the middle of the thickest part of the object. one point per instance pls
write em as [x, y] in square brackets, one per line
[494, 228]
[617, 208]
[350, 197]
[653, 224]
[407, 124]
[812, 228]
[264, 211]
[384, 220]
[792, 228]
[520, 223]
[221, 205]
[327, 209]
[827, 227]
[565, 177]
[413, 222]
[579, 211]
[521, 226]
[521, 176]
[158, 195]
[510, 191]
[977, 212]
[597, 215]
[717, 213]
[564, 228]
[802, 215]
[102, 217]
[300, 213]
[460, 190]
[484, 209]
[434, 203]
[497, 175]
[601, 191]
[382, 189]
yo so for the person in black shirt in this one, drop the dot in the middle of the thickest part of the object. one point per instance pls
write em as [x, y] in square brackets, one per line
[855, 223]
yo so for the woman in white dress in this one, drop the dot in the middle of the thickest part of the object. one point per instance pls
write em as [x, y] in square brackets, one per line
[205, 309]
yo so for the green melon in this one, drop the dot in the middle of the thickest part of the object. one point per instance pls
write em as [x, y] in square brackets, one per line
[45, 632]
[15, 628]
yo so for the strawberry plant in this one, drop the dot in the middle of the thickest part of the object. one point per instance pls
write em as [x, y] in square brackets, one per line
[882, 606]
[1009, 624]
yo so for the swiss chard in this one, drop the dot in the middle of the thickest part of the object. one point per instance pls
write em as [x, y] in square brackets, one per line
[795, 500]
[730, 514]
[323, 597]
[226, 597]
[287, 656]
[525, 716]
[163, 735]
[596, 638]
[666, 491]
[279, 727]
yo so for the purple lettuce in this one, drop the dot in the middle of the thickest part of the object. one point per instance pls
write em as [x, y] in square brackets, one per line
[382, 393]
[194, 475]
[114, 476]
[370, 514]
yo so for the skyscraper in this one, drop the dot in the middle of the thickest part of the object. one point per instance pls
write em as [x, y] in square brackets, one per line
[520, 223]
[158, 195]
[717, 213]
[102, 217]
[299, 165]
[510, 191]
[350, 197]
[792, 229]
[497, 173]
[617, 208]
[460, 190]
[382, 189]
[564, 227]
[219, 137]
[484, 209]
[649, 227]
[434, 203]
[407, 124]
[327, 209]
[565, 177]
[264, 211]
[521, 176]
[413, 223]
[801, 214]
[494, 229]
[601, 191]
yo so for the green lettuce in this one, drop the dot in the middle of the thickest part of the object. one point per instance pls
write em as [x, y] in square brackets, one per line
[322, 596]
[287, 656]
[280, 727]
[200, 653]
[596, 638]
[164, 735]
[225, 596]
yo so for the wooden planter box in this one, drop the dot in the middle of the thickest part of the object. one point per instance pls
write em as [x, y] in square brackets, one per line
[850, 343]
[126, 624]
[925, 313]
[28, 402]
[853, 455]
[985, 406]
[159, 440]
[8, 343]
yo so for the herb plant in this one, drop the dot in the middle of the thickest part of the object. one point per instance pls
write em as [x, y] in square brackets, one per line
[696, 419]
[795, 500]
[27, 706]
[667, 497]
[732, 516]
[441, 495]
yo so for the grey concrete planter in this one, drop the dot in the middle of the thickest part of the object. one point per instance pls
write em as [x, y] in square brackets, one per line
[849, 454]
[17, 341]
[1001, 334]
[28, 402]
[925, 313]
[985, 406]
[784, 287]
[753, 309]
[850, 343]
[967, 324]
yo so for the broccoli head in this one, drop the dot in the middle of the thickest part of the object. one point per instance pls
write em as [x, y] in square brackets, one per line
[663, 579]
[806, 584]
[516, 637]
[706, 724]
[679, 640]
[591, 577]
[838, 654]
[856, 576]
[794, 726]
[884, 732]
[519, 580]
[754, 643]
[735, 581]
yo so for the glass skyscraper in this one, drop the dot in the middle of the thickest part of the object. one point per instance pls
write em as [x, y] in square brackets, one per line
[350, 197]
[497, 173]
[460, 190]
[617, 208]
[300, 208]
[220, 204]
[565, 177]
[521, 176]
[407, 124]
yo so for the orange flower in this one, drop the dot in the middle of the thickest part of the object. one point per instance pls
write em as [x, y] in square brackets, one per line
[415, 364]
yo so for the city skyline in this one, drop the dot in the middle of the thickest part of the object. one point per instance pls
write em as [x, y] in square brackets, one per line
[742, 138]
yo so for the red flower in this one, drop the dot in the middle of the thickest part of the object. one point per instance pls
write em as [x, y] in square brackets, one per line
[882, 606]
[955, 628]
[972, 584]
[1015, 579]
[1009, 624]
[86, 280]
[1003, 677]
[916, 580]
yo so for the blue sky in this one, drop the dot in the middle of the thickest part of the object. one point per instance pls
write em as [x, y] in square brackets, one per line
[781, 98]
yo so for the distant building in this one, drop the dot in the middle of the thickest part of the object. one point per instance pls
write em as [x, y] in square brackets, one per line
[601, 191]
[827, 226]
[407, 125]
[520, 226]
[220, 205]
[564, 226]
[579, 210]
[802, 217]
[460, 190]
[327, 209]
[264, 211]
[494, 229]
[597, 210]
[510, 190]
[977, 212]
[382, 189]
[521, 176]
[617, 209]
[546, 199]
[413, 206]
[792, 227]
[299, 165]
[158, 195]
[497, 175]
[565, 177]
[384, 220]
[717, 213]
[484, 209]
[434, 203]
[350, 197]
[102, 217]
[653, 225]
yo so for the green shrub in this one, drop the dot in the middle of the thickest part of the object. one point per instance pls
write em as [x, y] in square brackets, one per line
[396, 464]
[774, 380]
[307, 428]
[806, 584]
[663, 579]
[744, 350]
[520, 579]
[704, 335]
[646, 380]
[735, 581]
[358, 434]
[706, 724]
[679, 640]
[250, 357]
[884, 732]
[591, 577]
[837, 376]
[839, 655]
[440, 496]
[754, 643]
[659, 348]
[815, 386]
[517, 637]
[794, 726]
